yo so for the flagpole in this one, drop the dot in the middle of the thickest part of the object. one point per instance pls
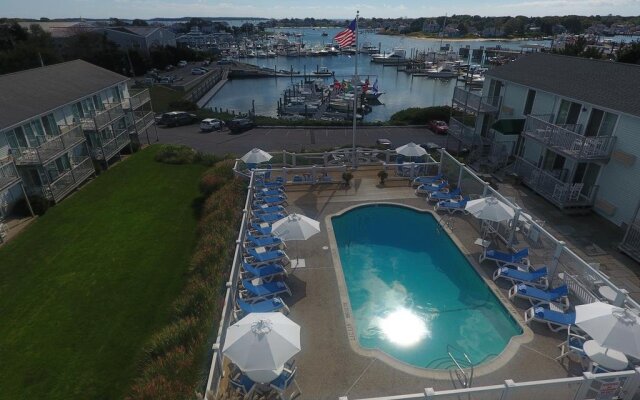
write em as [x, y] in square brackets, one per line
[355, 96]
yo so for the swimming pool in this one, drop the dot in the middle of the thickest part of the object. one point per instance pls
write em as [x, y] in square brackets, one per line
[413, 293]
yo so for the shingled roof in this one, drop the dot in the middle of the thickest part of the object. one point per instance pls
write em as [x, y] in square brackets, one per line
[26, 94]
[607, 84]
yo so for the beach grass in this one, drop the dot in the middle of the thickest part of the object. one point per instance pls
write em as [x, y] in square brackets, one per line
[85, 286]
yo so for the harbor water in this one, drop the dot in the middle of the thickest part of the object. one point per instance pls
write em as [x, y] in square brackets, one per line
[402, 90]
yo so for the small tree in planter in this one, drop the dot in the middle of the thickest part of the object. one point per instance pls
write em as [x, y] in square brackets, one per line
[383, 175]
[347, 177]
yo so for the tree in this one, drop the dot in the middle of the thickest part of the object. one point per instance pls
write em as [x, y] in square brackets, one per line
[630, 53]
[139, 22]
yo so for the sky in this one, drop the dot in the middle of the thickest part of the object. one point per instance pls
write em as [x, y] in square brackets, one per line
[300, 8]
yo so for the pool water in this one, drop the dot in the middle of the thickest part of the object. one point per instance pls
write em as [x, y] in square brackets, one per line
[413, 293]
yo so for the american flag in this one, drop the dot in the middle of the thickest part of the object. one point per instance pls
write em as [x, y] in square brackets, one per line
[348, 36]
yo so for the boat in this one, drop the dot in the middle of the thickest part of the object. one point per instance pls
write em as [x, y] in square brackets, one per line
[368, 48]
[323, 71]
[396, 57]
[441, 73]
[324, 34]
[372, 94]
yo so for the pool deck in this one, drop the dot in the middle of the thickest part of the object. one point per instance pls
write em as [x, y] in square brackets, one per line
[328, 368]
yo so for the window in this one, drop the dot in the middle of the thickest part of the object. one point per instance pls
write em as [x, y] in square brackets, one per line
[528, 105]
[97, 103]
[50, 126]
[568, 113]
[601, 123]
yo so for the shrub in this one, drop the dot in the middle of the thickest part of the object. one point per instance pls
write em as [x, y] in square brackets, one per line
[209, 183]
[383, 175]
[39, 205]
[175, 154]
[420, 116]
[183, 105]
[179, 333]
[206, 159]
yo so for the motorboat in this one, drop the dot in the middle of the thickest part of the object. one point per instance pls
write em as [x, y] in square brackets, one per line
[441, 73]
[397, 56]
[323, 71]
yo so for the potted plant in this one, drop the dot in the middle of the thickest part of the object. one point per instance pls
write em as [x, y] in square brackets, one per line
[347, 177]
[383, 175]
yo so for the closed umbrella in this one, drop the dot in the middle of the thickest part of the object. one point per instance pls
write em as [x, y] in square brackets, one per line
[490, 209]
[261, 343]
[411, 150]
[256, 156]
[612, 327]
[295, 227]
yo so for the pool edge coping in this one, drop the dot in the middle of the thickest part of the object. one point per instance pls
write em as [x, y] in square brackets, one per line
[500, 361]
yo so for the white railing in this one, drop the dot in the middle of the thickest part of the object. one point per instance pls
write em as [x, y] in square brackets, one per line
[568, 142]
[631, 242]
[622, 384]
[142, 123]
[475, 102]
[462, 132]
[8, 174]
[69, 137]
[101, 118]
[111, 147]
[69, 180]
[137, 99]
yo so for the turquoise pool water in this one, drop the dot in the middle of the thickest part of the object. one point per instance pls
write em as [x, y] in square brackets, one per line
[413, 294]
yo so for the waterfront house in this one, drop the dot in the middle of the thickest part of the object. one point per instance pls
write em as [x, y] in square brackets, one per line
[139, 38]
[57, 121]
[568, 127]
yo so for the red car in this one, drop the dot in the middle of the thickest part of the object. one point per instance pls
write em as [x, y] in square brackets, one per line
[439, 127]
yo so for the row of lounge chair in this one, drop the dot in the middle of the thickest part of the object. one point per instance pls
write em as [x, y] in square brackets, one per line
[437, 189]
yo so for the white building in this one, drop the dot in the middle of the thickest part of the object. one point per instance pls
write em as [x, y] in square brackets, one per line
[56, 121]
[140, 38]
[580, 142]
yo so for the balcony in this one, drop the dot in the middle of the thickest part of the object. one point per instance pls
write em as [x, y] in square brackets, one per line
[8, 174]
[112, 146]
[137, 99]
[65, 183]
[142, 122]
[101, 118]
[564, 195]
[464, 133]
[474, 103]
[70, 137]
[563, 140]
[631, 242]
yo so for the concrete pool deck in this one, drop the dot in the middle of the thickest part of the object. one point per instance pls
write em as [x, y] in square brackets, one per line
[327, 366]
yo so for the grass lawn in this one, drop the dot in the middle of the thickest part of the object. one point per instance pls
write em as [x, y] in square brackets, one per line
[161, 96]
[83, 288]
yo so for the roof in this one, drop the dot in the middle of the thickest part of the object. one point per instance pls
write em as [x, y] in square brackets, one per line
[607, 84]
[29, 93]
[60, 29]
[135, 30]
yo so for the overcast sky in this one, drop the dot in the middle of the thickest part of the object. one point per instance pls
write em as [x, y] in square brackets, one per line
[301, 8]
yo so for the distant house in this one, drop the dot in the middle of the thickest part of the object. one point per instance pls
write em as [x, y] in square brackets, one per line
[141, 38]
[430, 27]
[492, 31]
[195, 38]
[57, 121]
[558, 29]
[577, 144]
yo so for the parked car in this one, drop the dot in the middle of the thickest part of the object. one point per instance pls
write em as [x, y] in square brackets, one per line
[169, 67]
[384, 143]
[431, 146]
[240, 125]
[439, 127]
[175, 118]
[198, 71]
[211, 124]
[182, 64]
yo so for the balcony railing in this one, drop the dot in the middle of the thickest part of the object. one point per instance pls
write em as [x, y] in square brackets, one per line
[470, 101]
[631, 242]
[8, 174]
[137, 99]
[81, 170]
[70, 137]
[101, 118]
[143, 122]
[562, 194]
[464, 133]
[563, 140]
[112, 146]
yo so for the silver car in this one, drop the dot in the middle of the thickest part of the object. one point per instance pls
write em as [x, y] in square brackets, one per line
[211, 124]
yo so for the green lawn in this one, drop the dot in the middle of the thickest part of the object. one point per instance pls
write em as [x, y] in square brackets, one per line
[161, 96]
[83, 288]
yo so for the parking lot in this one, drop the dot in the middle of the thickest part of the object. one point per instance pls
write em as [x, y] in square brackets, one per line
[293, 139]
[182, 75]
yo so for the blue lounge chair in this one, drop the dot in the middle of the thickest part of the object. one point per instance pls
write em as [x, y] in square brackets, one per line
[244, 385]
[262, 241]
[264, 183]
[273, 217]
[452, 206]
[520, 258]
[421, 180]
[271, 200]
[265, 290]
[325, 179]
[556, 320]
[265, 209]
[274, 304]
[258, 258]
[260, 229]
[262, 193]
[266, 272]
[536, 278]
[283, 382]
[427, 188]
[557, 296]
[445, 194]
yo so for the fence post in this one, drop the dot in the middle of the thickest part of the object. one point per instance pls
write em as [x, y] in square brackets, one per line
[460, 175]
[581, 393]
[485, 189]
[556, 259]
[284, 174]
[441, 159]
[429, 393]
[313, 173]
[293, 159]
[630, 386]
[387, 155]
[514, 226]
[325, 158]
[508, 384]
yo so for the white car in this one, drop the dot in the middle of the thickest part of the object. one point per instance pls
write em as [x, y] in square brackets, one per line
[211, 124]
[182, 63]
[198, 71]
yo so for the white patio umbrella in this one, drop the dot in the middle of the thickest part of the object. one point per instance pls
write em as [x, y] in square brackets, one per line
[612, 327]
[490, 209]
[411, 150]
[261, 343]
[295, 227]
[256, 156]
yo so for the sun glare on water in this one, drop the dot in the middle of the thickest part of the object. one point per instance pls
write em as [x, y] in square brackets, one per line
[404, 327]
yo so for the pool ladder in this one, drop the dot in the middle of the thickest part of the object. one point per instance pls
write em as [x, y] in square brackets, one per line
[464, 378]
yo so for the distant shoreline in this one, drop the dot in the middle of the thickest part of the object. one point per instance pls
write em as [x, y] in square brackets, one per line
[458, 39]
